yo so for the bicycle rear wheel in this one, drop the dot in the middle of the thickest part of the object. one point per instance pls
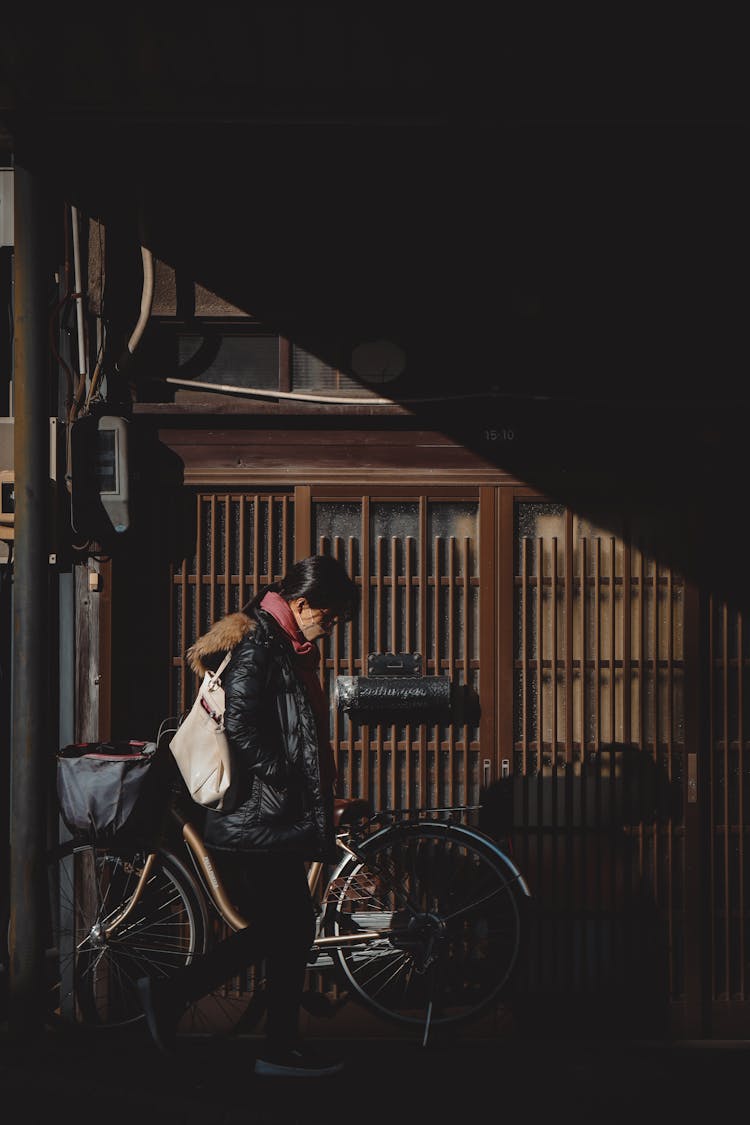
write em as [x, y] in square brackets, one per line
[451, 911]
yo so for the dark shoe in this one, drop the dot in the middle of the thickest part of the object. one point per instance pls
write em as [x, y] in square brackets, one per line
[297, 1062]
[161, 1012]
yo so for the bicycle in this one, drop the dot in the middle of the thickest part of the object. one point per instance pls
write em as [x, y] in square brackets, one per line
[422, 920]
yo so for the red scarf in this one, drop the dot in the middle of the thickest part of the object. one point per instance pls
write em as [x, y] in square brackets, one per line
[307, 660]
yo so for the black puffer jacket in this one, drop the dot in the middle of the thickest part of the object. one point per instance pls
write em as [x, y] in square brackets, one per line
[271, 728]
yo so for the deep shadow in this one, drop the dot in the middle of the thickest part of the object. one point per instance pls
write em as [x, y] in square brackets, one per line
[597, 960]
[162, 533]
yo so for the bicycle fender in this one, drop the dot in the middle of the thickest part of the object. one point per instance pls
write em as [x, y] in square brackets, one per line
[448, 828]
[482, 837]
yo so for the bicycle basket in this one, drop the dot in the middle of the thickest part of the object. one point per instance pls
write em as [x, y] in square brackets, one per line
[108, 792]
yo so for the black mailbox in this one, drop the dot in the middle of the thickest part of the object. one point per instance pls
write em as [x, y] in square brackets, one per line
[394, 687]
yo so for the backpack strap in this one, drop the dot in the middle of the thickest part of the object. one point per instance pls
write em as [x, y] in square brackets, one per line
[221, 668]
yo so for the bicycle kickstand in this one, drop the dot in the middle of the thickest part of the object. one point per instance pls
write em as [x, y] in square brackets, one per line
[427, 1024]
[435, 982]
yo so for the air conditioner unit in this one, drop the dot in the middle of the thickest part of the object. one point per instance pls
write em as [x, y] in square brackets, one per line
[7, 485]
[7, 504]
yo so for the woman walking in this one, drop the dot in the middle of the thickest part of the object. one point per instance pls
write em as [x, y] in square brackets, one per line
[277, 722]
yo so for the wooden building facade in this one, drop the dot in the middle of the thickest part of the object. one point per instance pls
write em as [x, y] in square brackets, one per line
[594, 683]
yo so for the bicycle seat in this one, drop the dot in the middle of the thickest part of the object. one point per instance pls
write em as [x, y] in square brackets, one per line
[350, 810]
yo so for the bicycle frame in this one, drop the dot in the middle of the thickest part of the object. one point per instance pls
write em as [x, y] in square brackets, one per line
[216, 891]
[377, 916]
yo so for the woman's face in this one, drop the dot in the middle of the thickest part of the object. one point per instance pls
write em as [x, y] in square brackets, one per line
[313, 621]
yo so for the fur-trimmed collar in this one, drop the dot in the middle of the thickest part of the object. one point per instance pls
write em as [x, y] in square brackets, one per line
[224, 634]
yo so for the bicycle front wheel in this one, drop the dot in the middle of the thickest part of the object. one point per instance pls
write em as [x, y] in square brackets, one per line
[94, 960]
[451, 913]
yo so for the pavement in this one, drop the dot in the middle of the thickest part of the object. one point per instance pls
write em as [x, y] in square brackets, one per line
[118, 1077]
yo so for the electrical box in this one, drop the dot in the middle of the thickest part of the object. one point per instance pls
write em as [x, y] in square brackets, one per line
[100, 476]
[112, 470]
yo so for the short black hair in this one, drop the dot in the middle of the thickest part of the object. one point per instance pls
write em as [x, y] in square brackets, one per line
[324, 582]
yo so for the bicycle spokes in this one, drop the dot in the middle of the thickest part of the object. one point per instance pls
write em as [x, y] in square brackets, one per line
[450, 921]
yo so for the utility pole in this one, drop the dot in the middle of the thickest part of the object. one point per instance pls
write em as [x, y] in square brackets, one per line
[31, 688]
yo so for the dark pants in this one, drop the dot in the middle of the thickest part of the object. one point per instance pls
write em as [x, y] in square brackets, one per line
[271, 892]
